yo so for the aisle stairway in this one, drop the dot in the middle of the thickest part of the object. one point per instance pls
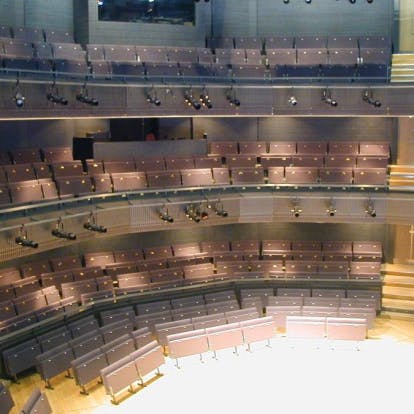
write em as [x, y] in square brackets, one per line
[398, 288]
[402, 67]
[401, 177]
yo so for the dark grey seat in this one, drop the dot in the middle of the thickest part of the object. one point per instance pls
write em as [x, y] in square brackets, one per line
[37, 403]
[54, 362]
[6, 400]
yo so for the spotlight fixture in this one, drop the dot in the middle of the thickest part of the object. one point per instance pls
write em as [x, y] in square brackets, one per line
[196, 213]
[370, 1]
[219, 209]
[293, 101]
[152, 97]
[18, 96]
[164, 215]
[231, 97]
[190, 100]
[296, 210]
[192, 212]
[92, 224]
[84, 97]
[308, 1]
[54, 97]
[22, 239]
[331, 209]
[326, 97]
[205, 99]
[367, 97]
[286, 1]
[60, 232]
[370, 209]
[352, 1]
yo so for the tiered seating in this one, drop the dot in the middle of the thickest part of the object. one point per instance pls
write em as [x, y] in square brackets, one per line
[51, 173]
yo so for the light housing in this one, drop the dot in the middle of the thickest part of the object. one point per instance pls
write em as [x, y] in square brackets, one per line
[190, 100]
[92, 224]
[370, 209]
[231, 97]
[164, 215]
[60, 233]
[326, 97]
[22, 239]
[84, 97]
[369, 99]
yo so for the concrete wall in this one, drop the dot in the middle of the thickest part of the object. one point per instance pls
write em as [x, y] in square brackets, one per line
[38, 134]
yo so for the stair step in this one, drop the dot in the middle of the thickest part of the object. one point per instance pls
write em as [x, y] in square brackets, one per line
[405, 316]
[403, 269]
[397, 280]
[391, 303]
[406, 293]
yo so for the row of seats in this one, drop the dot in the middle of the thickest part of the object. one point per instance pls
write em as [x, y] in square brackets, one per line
[195, 253]
[54, 155]
[16, 173]
[291, 148]
[184, 55]
[73, 186]
[91, 284]
[222, 148]
[32, 34]
[289, 42]
[372, 67]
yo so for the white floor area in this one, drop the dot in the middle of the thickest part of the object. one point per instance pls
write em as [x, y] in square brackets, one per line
[291, 376]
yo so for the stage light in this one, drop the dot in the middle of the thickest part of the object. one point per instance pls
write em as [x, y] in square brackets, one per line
[308, 1]
[84, 97]
[352, 1]
[370, 1]
[296, 210]
[367, 97]
[19, 99]
[286, 1]
[331, 210]
[92, 224]
[194, 213]
[370, 209]
[56, 99]
[326, 97]
[22, 239]
[164, 215]
[219, 209]
[60, 232]
[152, 98]
[231, 97]
[190, 100]
[293, 101]
[205, 99]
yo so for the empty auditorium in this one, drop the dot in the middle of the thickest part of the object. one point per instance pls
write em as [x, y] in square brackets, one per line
[206, 206]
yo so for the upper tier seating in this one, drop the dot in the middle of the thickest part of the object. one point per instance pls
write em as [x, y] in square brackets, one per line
[32, 175]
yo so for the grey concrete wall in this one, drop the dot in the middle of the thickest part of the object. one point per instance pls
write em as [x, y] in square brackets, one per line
[37, 134]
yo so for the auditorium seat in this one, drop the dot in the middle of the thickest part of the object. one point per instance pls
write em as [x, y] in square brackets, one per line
[241, 161]
[120, 53]
[332, 175]
[196, 177]
[227, 56]
[161, 71]
[366, 251]
[370, 176]
[58, 36]
[342, 41]
[102, 183]
[120, 166]
[164, 179]
[206, 56]
[253, 147]
[128, 69]
[37, 403]
[301, 175]
[182, 54]
[280, 57]
[335, 161]
[376, 41]
[57, 154]
[150, 163]
[25, 192]
[70, 67]
[255, 57]
[69, 51]
[196, 70]
[42, 170]
[152, 54]
[307, 161]
[347, 148]
[128, 181]
[223, 148]
[73, 186]
[246, 175]
[6, 399]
